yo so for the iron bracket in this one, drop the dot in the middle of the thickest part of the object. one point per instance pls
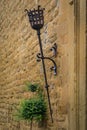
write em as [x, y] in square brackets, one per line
[54, 67]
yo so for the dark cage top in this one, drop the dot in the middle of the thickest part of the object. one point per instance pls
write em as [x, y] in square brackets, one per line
[36, 18]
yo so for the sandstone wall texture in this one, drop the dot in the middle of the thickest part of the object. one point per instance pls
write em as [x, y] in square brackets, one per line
[18, 49]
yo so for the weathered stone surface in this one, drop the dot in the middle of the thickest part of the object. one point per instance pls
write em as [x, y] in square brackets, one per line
[18, 49]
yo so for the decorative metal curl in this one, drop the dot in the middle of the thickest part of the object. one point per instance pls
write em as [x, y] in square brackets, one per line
[53, 68]
[54, 49]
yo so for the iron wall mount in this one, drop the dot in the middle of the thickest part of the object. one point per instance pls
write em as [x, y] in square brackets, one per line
[36, 20]
[54, 67]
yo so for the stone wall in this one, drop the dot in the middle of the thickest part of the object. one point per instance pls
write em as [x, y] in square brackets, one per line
[18, 49]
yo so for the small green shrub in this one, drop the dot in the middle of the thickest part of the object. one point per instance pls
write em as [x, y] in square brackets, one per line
[32, 109]
[32, 87]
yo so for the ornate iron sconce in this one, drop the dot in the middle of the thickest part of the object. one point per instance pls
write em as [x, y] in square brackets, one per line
[36, 19]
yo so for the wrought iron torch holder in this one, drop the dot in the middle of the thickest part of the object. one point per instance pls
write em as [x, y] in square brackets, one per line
[36, 19]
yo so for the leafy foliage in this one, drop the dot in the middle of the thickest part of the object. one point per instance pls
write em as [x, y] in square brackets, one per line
[33, 108]
[32, 87]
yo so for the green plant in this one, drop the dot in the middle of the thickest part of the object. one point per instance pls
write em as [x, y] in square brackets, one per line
[32, 109]
[32, 87]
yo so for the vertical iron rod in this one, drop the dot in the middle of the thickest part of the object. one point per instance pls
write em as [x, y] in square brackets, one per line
[45, 76]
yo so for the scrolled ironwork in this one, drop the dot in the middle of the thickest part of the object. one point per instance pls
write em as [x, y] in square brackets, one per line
[53, 68]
